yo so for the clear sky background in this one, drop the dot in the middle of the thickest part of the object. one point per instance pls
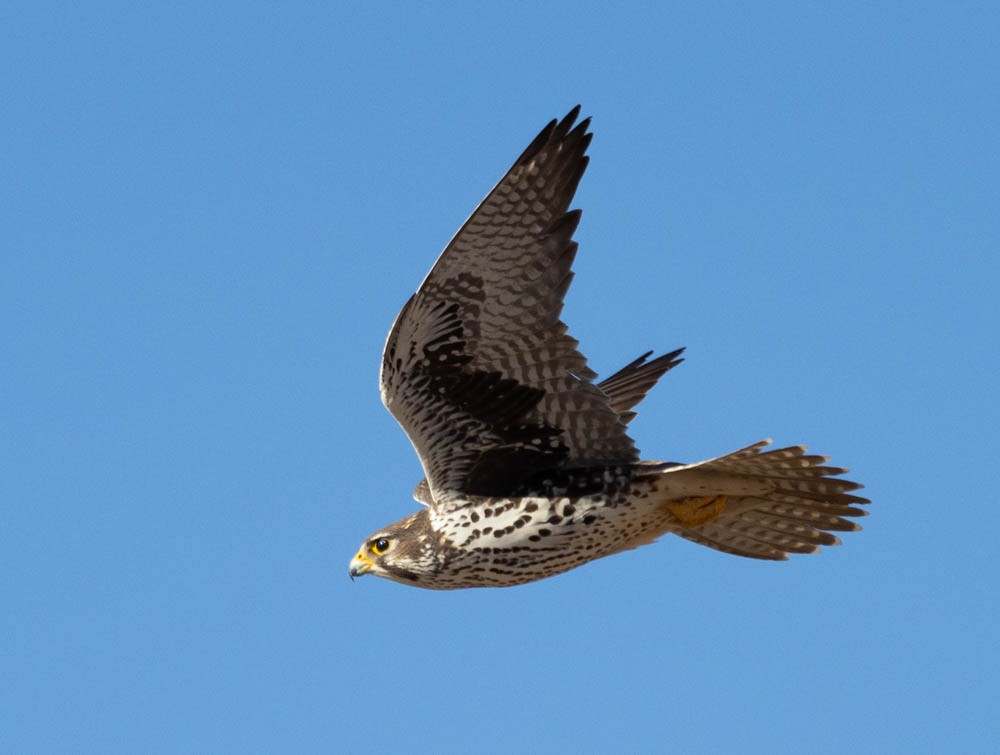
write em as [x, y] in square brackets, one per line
[211, 213]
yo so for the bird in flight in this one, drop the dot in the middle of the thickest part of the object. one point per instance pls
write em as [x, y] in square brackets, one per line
[529, 467]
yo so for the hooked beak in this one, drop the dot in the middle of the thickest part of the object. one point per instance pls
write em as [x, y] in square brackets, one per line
[360, 565]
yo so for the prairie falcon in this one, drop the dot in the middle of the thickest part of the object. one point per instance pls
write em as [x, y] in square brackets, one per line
[529, 467]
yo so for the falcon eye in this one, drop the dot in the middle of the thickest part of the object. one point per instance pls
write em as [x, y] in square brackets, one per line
[380, 546]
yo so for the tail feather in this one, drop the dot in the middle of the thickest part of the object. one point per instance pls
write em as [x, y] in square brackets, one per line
[816, 516]
[791, 528]
[733, 542]
[804, 504]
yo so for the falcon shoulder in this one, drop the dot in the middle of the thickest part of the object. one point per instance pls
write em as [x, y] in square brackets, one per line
[624, 390]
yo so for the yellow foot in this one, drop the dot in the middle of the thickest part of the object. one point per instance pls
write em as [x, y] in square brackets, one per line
[694, 512]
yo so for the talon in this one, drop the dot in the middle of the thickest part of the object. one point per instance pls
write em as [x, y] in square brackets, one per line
[694, 512]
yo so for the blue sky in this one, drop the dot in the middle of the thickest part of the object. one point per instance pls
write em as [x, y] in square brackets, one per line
[212, 213]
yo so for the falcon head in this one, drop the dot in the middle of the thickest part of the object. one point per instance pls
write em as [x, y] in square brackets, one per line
[403, 552]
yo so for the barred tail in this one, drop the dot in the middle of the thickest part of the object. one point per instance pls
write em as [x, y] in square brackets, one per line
[766, 504]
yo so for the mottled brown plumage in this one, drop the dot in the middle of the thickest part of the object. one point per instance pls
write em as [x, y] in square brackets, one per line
[529, 467]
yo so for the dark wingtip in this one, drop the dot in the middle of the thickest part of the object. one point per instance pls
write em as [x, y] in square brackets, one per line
[565, 128]
[556, 130]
